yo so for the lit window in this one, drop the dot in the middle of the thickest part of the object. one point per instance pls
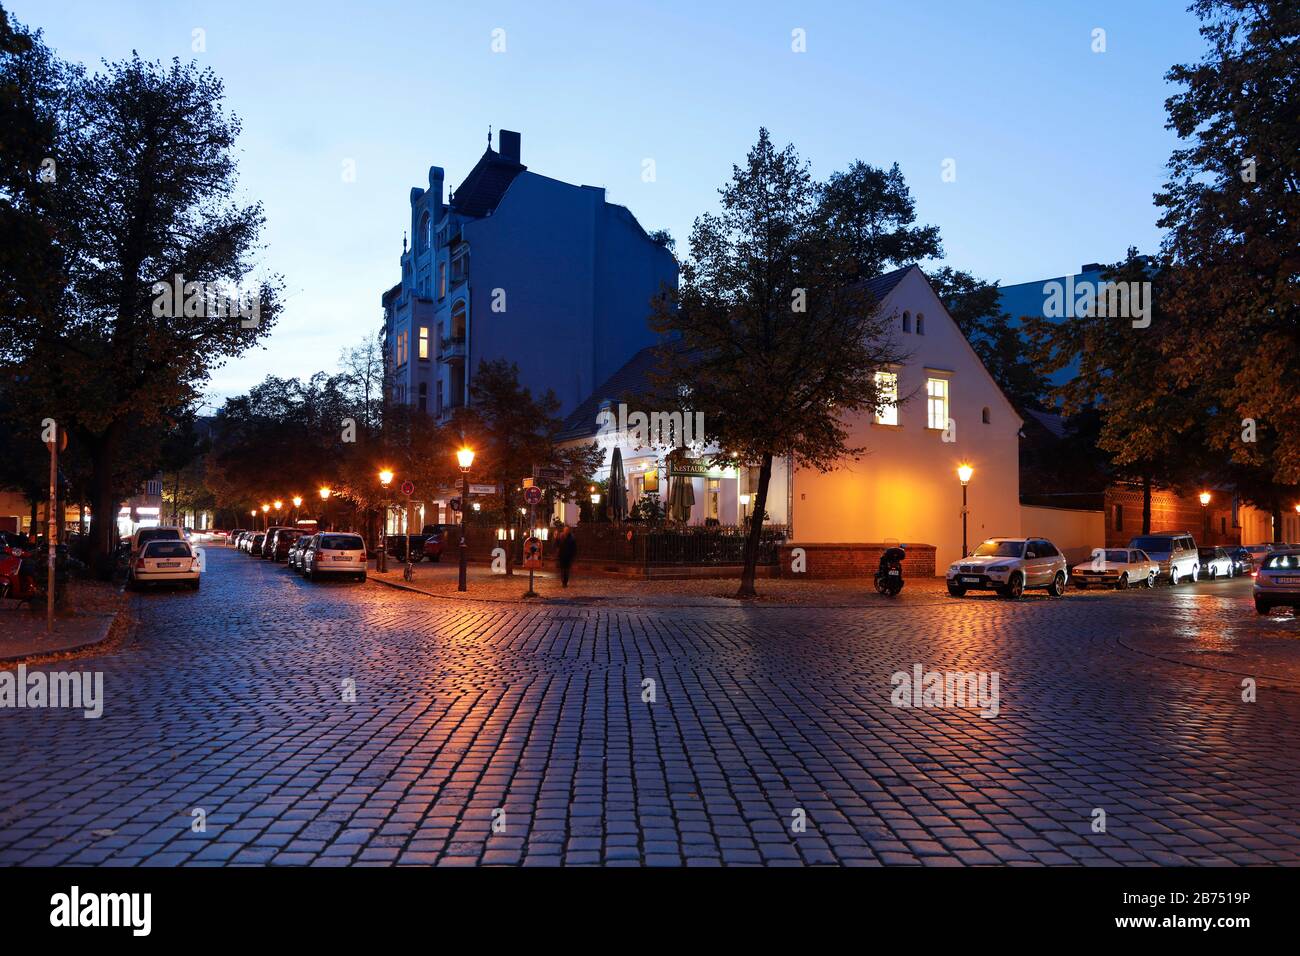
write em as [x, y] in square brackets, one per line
[887, 393]
[424, 342]
[936, 392]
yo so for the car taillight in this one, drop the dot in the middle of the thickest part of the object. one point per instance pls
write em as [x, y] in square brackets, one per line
[194, 564]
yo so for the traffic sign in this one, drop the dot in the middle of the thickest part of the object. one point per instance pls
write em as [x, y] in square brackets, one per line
[533, 495]
[550, 473]
[454, 504]
[408, 488]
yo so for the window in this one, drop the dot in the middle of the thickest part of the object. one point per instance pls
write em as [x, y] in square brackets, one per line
[907, 321]
[458, 321]
[887, 393]
[424, 342]
[985, 415]
[401, 350]
[459, 267]
[936, 392]
[442, 279]
[711, 494]
[920, 324]
[423, 237]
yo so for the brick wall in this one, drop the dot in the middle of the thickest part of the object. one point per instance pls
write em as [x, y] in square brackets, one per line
[854, 560]
[1169, 512]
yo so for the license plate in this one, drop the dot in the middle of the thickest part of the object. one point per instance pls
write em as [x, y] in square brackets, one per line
[169, 564]
[972, 580]
[1288, 580]
[340, 557]
[894, 573]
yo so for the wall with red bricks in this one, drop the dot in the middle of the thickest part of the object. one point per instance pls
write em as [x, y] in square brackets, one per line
[854, 560]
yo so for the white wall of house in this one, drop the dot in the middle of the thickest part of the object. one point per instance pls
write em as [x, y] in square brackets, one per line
[906, 487]
[1075, 531]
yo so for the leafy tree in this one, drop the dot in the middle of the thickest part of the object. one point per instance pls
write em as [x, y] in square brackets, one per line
[872, 212]
[145, 180]
[1232, 210]
[510, 431]
[975, 306]
[771, 327]
[1146, 416]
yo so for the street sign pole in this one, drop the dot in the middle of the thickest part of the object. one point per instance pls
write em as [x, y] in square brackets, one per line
[52, 530]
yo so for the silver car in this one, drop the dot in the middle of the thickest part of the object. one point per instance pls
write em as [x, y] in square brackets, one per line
[1277, 583]
[1009, 566]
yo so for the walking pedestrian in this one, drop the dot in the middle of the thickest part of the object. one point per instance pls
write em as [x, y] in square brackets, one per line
[566, 549]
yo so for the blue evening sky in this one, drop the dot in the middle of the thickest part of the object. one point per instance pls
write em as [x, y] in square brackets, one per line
[1058, 149]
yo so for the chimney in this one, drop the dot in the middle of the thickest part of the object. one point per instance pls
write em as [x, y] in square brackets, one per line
[508, 144]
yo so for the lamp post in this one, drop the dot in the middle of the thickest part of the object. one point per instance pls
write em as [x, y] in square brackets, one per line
[1205, 515]
[744, 510]
[595, 503]
[265, 520]
[297, 503]
[381, 563]
[254, 521]
[324, 497]
[464, 458]
[964, 473]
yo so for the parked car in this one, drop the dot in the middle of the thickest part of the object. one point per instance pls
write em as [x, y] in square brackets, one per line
[232, 538]
[1176, 552]
[294, 557]
[1118, 568]
[335, 552]
[1277, 583]
[1242, 562]
[255, 544]
[165, 561]
[281, 543]
[271, 532]
[143, 536]
[434, 541]
[1215, 563]
[1009, 566]
[396, 545]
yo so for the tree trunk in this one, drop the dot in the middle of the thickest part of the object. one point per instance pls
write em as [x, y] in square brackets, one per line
[1146, 504]
[755, 530]
[103, 508]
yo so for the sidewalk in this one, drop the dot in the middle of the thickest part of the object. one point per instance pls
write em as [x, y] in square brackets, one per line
[440, 579]
[86, 620]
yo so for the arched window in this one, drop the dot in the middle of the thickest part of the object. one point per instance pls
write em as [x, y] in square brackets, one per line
[425, 234]
[907, 321]
[985, 416]
[920, 324]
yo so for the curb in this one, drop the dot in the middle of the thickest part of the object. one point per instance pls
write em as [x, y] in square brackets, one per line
[105, 635]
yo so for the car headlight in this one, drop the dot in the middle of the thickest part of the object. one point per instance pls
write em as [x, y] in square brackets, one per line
[1000, 568]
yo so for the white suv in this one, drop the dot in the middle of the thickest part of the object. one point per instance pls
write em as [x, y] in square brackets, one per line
[1009, 566]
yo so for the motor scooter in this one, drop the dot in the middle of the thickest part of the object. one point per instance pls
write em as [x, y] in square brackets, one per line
[889, 576]
[19, 577]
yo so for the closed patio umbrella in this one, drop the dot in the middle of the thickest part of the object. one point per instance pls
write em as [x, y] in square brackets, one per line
[681, 499]
[617, 487]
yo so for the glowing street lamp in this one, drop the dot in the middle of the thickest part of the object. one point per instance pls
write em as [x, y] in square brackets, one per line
[381, 563]
[744, 509]
[465, 459]
[1205, 513]
[964, 473]
[325, 494]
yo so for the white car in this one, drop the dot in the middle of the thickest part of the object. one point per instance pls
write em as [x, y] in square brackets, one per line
[1009, 566]
[1278, 582]
[165, 561]
[1176, 552]
[335, 552]
[1116, 568]
[1215, 563]
[160, 533]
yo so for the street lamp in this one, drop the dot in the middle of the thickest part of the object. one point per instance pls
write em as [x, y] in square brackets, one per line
[325, 494]
[744, 509]
[964, 473]
[381, 563]
[1205, 514]
[254, 514]
[464, 458]
[265, 520]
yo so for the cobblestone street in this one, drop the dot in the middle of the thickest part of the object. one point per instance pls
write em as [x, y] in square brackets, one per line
[497, 733]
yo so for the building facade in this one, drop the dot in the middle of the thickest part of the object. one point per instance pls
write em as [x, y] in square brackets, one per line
[514, 265]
